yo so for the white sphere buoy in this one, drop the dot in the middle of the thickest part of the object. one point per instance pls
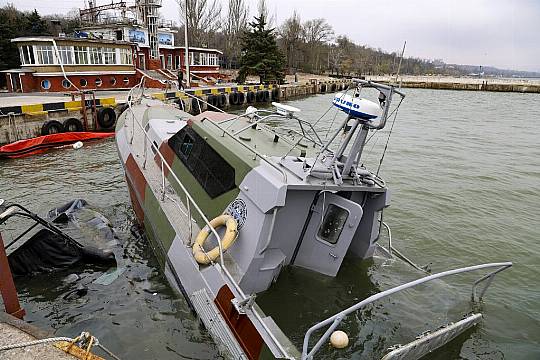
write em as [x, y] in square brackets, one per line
[339, 339]
[78, 145]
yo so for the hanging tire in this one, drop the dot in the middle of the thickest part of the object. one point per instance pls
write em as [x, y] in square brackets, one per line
[195, 106]
[266, 96]
[333, 88]
[275, 94]
[250, 97]
[221, 101]
[259, 96]
[52, 127]
[106, 117]
[73, 125]
[323, 88]
[180, 104]
[241, 98]
[233, 98]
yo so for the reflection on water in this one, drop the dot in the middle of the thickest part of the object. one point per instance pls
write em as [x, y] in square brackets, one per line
[465, 191]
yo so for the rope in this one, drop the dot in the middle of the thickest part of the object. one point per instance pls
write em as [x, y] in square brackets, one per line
[389, 134]
[84, 341]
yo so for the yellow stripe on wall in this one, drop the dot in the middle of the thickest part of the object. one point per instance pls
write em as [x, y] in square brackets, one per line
[32, 109]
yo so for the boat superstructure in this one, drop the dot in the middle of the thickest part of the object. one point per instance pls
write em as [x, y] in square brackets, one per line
[287, 194]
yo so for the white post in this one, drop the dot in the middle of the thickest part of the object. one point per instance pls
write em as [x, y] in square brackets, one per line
[186, 52]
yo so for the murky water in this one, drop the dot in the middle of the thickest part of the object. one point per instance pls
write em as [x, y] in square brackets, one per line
[464, 170]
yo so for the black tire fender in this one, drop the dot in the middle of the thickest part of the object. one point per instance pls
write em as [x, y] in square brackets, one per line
[221, 101]
[266, 96]
[250, 97]
[73, 125]
[52, 127]
[241, 98]
[259, 96]
[106, 117]
[180, 104]
[323, 88]
[195, 106]
[333, 87]
[275, 94]
[233, 98]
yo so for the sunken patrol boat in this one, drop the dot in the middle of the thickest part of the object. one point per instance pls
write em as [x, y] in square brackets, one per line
[229, 202]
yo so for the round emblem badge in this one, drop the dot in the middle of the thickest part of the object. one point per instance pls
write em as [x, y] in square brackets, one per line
[238, 210]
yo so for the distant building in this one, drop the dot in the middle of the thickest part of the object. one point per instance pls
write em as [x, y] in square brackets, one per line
[107, 57]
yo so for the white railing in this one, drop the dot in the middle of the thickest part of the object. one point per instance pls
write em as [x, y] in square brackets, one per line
[190, 203]
[334, 320]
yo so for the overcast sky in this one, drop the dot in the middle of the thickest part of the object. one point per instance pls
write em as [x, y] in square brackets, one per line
[502, 33]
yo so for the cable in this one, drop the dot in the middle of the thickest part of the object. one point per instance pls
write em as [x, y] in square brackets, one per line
[395, 112]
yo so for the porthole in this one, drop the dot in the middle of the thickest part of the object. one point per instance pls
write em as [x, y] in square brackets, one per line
[66, 84]
[126, 80]
[45, 84]
[99, 82]
[83, 82]
[113, 81]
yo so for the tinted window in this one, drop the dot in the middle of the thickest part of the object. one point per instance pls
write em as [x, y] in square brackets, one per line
[333, 223]
[212, 172]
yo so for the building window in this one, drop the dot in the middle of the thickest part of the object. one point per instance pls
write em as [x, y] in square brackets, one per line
[169, 62]
[194, 59]
[81, 55]
[45, 84]
[83, 82]
[96, 57]
[66, 84]
[109, 56]
[126, 80]
[99, 82]
[66, 54]
[113, 80]
[27, 55]
[213, 59]
[126, 56]
[45, 54]
[204, 163]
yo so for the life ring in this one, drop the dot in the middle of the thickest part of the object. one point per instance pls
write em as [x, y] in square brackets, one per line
[73, 125]
[203, 257]
[250, 97]
[106, 117]
[52, 127]
[266, 96]
[221, 101]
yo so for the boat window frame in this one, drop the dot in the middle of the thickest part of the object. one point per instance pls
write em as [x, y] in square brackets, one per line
[319, 228]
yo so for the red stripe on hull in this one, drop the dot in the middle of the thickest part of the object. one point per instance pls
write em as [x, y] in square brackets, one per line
[136, 177]
[168, 154]
[139, 212]
[243, 329]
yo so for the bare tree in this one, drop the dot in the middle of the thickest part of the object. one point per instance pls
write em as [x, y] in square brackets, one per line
[291, 38]
[316, 32]
[233, 27]
[262, 9]
[203, 19]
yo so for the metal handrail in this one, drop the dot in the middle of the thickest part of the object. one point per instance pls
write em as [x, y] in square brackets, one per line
[190, 200]
[337, 318]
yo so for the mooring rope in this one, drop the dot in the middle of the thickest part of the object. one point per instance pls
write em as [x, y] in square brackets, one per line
[83, 340]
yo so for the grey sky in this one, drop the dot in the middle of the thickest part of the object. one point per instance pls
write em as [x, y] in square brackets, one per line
[502, 33]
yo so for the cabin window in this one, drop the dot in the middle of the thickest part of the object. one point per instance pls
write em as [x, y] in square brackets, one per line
[83, 82]
[96, 56]
[81, 55]
[99, 82]
[45, 84]
[126, 80]
[66, 84]
[333, 223]
[109, 56]
[66, 54]
[45, 54]
[126, 56]
[210, 170]
[169, 62]
[27, 55]
[113, 80]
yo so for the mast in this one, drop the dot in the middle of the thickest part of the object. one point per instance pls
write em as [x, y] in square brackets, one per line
[186, 52]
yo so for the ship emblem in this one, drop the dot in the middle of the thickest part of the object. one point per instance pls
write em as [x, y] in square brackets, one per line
[238, 210]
